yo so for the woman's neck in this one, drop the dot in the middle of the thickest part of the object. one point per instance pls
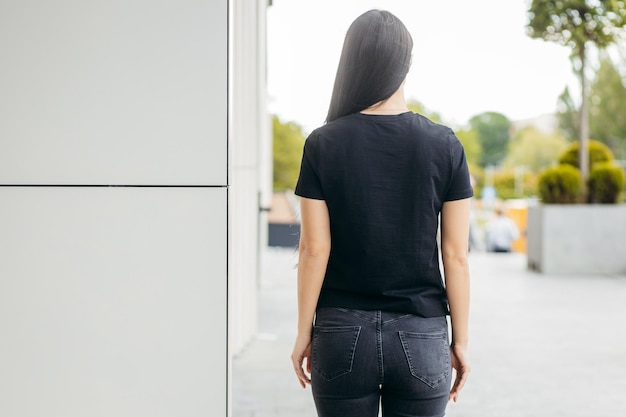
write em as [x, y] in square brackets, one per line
[395, 104]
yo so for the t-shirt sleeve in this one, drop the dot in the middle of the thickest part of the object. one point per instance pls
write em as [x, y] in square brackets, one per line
[460, 186]
[309, 184]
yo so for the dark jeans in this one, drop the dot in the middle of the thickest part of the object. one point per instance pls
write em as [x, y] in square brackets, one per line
[362, 357]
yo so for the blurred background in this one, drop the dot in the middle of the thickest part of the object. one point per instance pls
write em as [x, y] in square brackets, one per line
[523, 84]
[514, 100]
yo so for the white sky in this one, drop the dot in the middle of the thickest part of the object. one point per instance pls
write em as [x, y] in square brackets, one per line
[470, 56]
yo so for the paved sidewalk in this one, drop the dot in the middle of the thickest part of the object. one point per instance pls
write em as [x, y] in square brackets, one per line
[540, 345]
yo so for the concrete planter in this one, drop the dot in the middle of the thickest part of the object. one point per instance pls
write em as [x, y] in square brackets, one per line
[577, 239]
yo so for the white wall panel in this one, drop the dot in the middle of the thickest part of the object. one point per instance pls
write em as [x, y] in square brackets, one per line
[250, 163]
[113, 92]
[112, 301]
[243, 269]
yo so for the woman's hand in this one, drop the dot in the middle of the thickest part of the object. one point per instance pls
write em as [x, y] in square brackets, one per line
[302, 351]
[461, 364]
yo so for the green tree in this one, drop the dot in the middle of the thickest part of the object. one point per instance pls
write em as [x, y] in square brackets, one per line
[288, 141]
[577, 24]
[492, 132]
[417, 107]
[473, 150]
[534, 150]
[607, 108]
[568, 116]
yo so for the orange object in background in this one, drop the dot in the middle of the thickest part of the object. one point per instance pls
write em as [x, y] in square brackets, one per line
[520, 216]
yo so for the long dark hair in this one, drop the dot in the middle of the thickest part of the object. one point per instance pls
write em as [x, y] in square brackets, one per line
[375, 59]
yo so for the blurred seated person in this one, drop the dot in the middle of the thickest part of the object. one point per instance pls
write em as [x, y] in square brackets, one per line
[501, 232]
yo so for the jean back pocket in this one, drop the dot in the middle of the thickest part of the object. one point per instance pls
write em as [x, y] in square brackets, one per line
[428, 356]
[332, 350]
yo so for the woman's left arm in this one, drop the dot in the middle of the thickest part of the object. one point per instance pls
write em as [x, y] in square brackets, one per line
[314, 251]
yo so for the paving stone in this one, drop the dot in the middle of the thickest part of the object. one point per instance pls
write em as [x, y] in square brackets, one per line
[540, 345]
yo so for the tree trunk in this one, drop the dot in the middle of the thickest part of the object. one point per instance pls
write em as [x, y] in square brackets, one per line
[583, 155]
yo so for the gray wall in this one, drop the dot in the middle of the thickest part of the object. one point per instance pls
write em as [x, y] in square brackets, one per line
[116, 206]
[112, 301]
[577, 238]
[113, 92]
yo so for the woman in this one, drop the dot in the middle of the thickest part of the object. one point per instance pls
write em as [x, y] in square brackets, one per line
[374, 180]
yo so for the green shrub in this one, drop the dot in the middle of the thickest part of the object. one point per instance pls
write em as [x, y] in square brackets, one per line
[562, 184]
[598, 152]
[504, 183]
[531, 180]
[605, 183]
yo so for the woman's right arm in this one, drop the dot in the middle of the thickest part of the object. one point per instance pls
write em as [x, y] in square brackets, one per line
[312, 262]
[454, 252]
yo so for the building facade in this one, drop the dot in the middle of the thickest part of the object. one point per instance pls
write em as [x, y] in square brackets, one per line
[134, 158]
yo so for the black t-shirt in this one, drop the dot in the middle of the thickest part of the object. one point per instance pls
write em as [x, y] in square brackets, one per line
[384, 179]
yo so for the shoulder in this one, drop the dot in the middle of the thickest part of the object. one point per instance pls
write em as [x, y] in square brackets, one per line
[328, 135]
[409, 124]
[340, 125]
[436, 134]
